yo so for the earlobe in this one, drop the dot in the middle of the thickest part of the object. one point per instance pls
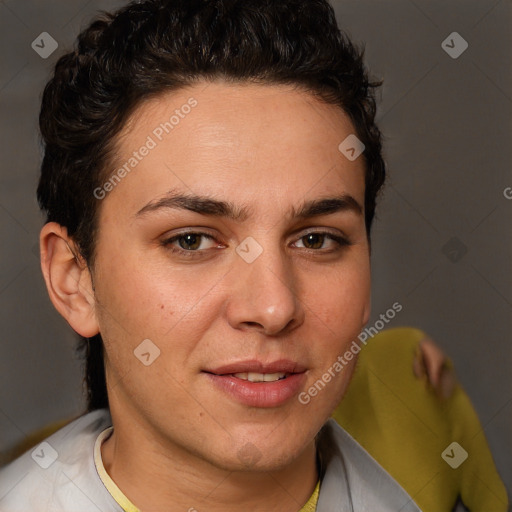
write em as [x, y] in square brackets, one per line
[68, 279]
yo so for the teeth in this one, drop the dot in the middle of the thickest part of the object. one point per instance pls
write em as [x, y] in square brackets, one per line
[260, 377]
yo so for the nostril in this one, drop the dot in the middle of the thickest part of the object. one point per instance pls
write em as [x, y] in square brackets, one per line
[253, 324]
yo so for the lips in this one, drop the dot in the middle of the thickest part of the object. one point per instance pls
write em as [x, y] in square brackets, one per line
[259, 384]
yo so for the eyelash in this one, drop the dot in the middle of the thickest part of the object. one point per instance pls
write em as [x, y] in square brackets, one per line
[167, 243]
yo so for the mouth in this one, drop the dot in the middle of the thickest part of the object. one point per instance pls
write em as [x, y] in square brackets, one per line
[258, 384]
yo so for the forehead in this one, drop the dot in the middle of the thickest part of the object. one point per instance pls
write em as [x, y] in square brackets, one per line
[271, 142]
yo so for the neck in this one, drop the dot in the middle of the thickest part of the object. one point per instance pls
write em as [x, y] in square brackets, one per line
[153, 476]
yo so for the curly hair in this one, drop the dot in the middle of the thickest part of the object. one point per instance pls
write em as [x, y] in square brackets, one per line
[155, 46]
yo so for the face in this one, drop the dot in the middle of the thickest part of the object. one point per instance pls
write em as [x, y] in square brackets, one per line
[235, 246]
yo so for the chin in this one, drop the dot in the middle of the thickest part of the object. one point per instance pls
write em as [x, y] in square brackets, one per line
[251, 459]
[264, 452]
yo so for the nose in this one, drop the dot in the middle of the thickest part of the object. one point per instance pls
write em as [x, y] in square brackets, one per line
[265, 295]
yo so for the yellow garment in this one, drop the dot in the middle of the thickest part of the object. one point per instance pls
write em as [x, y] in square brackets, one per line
[310, 506]
[128, 506]
[405, 426]
[112, 488]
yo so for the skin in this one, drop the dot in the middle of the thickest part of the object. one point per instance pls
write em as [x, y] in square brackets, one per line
[177, 438]
[431, 363]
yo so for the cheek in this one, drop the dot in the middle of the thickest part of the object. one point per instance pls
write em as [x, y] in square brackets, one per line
[139, 301]
[342, 300]
[142, 296]
[337, 318]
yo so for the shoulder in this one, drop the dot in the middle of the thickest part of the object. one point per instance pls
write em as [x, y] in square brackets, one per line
[59, 473]
[368, 484]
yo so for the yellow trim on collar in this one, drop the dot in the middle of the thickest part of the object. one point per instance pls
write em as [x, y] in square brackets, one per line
[310, 506]
[112, 488]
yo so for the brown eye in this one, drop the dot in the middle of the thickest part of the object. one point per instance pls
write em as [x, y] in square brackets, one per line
[322, 242]
[313, 240]
[190, 241]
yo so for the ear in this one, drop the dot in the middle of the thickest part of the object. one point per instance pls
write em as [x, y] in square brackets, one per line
[68, 279]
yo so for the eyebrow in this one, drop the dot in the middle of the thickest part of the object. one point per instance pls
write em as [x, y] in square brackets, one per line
[225, 209]
[198, 204]
[327, 206]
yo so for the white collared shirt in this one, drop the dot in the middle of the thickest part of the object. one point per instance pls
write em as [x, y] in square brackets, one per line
[60, 474]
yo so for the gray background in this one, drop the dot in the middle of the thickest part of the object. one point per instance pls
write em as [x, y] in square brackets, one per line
[448, 127]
